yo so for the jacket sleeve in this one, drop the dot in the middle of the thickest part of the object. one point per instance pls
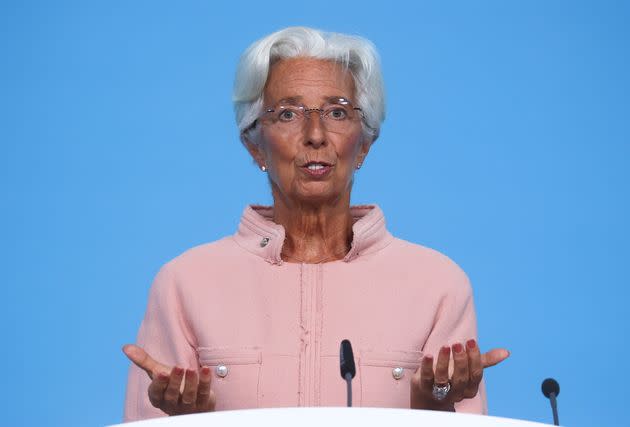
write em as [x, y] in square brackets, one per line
[166, 336]
[455, 321]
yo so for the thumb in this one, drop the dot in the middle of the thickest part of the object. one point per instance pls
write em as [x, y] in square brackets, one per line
[143, 360]
[494, 356]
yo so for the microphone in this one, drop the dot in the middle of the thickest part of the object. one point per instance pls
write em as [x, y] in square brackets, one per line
[551, 390]
[346, 364]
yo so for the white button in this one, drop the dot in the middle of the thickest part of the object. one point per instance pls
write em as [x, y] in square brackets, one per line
[398, 373]
[222, 371]
[264, 242]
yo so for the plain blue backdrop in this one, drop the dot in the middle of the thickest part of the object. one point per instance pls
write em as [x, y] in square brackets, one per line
[506, 146]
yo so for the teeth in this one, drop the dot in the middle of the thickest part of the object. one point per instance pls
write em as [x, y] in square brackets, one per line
[315, 166]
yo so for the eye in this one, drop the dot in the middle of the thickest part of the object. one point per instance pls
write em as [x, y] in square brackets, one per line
[337, 113]
[287, 115]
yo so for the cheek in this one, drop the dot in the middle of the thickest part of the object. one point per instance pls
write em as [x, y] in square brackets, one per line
[277, 149]
[352, 150]
[349, 151]
[280, 158]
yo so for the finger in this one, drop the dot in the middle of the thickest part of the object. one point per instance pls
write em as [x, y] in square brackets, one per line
[475, 369]
[460, 378]
[204, 394]
[142, 359]
[426, 374]
[441, 367]
[189, 395]
[156, 390]
[171, 394]
[421, 384]
[493, 357]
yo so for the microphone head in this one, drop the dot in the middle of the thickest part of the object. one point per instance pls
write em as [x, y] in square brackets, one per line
[346, 359]
[550, 386]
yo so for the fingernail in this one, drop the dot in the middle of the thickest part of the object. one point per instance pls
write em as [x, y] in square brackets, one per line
[162, 376]
[445, 350]
[189, 373]
[205, 370]
[178, 371]
[471, 344]
[458, 348]
[428, 356]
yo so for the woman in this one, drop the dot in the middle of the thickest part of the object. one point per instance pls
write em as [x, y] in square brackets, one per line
[255, 319]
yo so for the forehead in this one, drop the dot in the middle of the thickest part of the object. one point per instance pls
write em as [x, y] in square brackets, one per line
[308, 79]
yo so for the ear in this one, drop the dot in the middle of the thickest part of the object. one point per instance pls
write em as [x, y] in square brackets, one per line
[253, 147]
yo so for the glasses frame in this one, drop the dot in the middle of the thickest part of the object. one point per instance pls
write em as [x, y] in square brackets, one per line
[307, 111]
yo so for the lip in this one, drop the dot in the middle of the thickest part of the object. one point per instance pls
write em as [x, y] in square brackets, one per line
[317, 173]
[316, 162]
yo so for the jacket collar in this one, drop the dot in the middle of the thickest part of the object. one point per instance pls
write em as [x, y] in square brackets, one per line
[258, 234]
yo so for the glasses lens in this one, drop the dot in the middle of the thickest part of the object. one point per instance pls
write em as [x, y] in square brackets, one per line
[339, 117]
[288, 114]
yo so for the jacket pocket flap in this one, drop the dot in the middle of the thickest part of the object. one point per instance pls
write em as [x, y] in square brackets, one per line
[391, 359]
[229, 356]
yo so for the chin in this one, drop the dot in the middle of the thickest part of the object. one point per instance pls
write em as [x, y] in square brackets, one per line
[317, 197]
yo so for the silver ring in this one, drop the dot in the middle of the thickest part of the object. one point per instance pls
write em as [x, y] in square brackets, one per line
[440, 391]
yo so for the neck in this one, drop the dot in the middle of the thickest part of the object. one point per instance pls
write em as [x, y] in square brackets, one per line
[314, 233]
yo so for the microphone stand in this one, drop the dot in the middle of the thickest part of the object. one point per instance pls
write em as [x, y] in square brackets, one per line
[349, 388]
[554, 408]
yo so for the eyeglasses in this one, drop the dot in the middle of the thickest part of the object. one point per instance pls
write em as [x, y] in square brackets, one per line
[338, 115]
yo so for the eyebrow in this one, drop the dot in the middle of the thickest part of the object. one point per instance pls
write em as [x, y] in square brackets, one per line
[291, 100]
[298, 99]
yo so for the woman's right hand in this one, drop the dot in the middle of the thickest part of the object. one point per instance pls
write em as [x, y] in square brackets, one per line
[165, 388]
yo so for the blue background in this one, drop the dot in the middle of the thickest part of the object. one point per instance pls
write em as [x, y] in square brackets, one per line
[505, 147]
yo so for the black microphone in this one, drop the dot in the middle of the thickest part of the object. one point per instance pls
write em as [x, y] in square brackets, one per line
[346, 363]
[551, 390]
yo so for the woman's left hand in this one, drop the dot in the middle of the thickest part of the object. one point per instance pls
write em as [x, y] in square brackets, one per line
[467, 371]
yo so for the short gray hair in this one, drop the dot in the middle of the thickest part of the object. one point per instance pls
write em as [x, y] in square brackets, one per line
[356, 54]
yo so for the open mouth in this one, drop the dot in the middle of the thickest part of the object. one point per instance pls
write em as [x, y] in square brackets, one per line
[317, 168]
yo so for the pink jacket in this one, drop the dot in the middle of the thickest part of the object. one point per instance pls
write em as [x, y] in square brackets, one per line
[271, 330]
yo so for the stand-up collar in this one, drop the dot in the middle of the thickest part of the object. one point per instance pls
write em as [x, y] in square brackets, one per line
[258, 234]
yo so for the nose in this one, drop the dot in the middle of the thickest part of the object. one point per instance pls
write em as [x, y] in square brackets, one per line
[315, 134]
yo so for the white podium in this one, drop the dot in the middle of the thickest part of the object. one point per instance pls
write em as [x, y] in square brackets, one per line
[327, 417]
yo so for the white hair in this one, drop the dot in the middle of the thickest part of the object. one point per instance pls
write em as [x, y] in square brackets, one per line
[354, 53]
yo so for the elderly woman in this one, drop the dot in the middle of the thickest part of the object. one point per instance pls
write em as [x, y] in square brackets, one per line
[255, 319]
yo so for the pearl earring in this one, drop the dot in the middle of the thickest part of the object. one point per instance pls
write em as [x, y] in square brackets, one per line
[263, 168]
[359, 165]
